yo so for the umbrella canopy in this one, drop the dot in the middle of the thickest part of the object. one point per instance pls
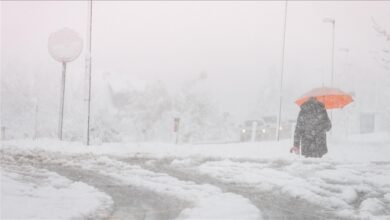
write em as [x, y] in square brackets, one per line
[330, 97]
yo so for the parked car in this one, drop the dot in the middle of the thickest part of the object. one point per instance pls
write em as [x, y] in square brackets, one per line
[265, 129]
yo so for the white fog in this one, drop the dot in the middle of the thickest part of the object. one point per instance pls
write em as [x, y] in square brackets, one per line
[198, 110]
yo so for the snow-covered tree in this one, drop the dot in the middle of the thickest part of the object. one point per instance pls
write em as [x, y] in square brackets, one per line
[201, 120]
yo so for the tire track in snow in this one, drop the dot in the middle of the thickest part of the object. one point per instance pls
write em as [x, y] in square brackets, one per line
[197, 201]
[130, 202]
[207, 202]
[273, 205]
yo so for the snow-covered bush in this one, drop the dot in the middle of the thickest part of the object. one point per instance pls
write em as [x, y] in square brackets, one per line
[122, 109]
[147, 112]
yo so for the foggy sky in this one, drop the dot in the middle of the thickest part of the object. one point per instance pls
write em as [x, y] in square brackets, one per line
[238, 44]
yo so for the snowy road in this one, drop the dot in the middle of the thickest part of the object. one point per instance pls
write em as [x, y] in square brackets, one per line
[274, 205]
[284, 189]
[146, 186]
[129, 202]
[137, 193]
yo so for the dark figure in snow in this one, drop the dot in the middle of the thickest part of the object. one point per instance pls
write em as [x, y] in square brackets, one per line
[310, 131]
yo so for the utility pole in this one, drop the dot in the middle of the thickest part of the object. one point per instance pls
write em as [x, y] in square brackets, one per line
[281, 73]
[88, 67]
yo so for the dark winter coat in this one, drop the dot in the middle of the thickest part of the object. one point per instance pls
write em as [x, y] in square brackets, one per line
[310, 131]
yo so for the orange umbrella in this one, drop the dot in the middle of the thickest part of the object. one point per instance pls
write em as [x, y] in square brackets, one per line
[331, 97]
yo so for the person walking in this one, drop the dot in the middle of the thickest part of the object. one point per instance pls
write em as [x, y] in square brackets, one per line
[310, 131]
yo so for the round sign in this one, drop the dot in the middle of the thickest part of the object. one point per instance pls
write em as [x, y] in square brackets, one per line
[65, 45]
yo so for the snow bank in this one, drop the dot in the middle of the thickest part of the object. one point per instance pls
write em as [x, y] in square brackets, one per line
[29, 193]
[370, 138]
[228, 150]
[358, 148]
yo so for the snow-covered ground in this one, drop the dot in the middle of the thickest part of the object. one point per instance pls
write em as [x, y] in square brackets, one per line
[31, 193]
[208, 181]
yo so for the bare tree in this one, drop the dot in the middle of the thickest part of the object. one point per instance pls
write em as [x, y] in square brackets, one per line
[385, 57]
[380, 30]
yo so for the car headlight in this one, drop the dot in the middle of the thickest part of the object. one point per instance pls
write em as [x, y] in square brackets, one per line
[243, 130]
[263, 130]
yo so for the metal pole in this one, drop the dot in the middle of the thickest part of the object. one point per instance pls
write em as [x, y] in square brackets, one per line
[36, 121]
[333, 22]
[88, 67]
[2, 133]
[333, 36]
[176, 129]
[282, 72]
[36, 108]
[62, 98]
[332, 77]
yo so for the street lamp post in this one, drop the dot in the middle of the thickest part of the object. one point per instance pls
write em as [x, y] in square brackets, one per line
[333, 22]
[281, 73]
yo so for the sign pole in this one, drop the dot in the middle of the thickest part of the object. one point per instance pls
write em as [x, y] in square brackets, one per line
[176, 129]
[64, 46]
[62, 99]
